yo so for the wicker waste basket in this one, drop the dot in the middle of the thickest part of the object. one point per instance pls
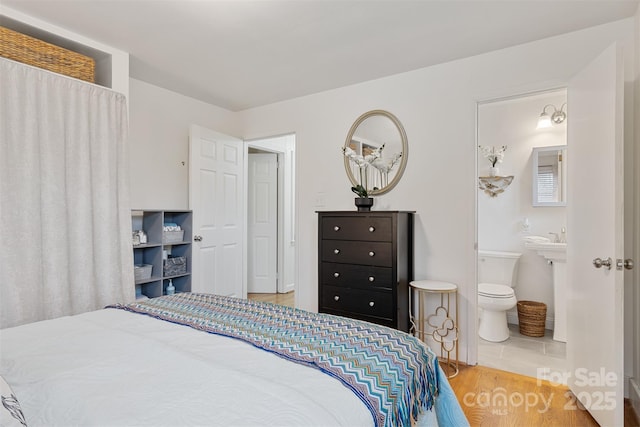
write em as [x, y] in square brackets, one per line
[531, 318]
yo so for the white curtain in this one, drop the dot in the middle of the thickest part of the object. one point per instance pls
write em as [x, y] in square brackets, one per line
[65, 220]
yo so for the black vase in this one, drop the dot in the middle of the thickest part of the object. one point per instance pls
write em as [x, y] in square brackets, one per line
[364, 203]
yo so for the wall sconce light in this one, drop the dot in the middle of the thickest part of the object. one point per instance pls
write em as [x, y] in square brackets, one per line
[558, 116]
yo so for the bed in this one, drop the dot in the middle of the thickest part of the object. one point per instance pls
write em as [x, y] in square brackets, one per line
[207, 360]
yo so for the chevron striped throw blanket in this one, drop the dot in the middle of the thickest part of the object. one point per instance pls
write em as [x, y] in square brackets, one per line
[392, 372]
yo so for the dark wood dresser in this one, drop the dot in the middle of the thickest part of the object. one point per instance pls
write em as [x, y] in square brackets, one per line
[365, 265]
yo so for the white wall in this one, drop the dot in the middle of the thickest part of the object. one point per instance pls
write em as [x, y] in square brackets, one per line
[632, 303]
[512, 122]
[437, 107]
[159, 123]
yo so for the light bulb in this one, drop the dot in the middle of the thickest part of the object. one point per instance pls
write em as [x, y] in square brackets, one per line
[544, 121]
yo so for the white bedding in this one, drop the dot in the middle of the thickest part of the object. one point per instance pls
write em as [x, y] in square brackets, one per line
[115, 368]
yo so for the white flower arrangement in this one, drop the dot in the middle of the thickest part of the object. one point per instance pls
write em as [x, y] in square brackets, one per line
[493, 154]
[385, 166]
[363, 163]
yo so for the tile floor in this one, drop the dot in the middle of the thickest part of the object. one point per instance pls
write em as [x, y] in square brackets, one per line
[535, 357]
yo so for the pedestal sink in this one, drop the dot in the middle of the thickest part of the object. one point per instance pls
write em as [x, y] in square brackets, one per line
[556, 254]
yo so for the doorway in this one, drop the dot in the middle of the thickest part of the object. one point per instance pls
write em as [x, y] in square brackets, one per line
[271, 219]
[507, 217]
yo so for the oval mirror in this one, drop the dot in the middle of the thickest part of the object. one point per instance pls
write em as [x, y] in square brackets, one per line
[379, 150]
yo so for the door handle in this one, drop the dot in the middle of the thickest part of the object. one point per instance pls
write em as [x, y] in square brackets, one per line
[606, 263]
[197, 238]
[627, 263]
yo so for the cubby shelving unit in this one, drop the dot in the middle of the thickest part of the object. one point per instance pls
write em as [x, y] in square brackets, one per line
[152, 222]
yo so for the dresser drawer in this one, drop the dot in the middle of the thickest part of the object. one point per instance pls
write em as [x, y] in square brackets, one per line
[365, 263]
[367, 303]
[352, 252]
[365, 228]
[356, 276]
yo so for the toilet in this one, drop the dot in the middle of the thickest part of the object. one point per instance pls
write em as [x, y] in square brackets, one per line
[496, 277]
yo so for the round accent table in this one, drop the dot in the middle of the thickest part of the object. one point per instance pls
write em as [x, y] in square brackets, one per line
[439, 328]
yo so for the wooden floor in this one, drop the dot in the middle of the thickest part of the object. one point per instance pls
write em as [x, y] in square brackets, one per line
[490, 397]
[287, 299]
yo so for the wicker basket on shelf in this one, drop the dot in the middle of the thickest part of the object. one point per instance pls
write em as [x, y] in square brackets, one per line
[531, 318]
[31, 51]
[142, 271]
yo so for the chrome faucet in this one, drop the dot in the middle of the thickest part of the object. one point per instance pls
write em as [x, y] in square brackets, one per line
[556, 237]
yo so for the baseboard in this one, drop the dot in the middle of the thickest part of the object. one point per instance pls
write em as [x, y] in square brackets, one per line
[290, 287]
[512, 317]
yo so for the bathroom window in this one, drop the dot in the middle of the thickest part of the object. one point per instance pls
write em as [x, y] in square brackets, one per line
[547, 184]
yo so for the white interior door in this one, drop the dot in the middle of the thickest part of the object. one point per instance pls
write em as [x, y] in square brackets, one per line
[262, 223]
[595, 225]
[215, 197]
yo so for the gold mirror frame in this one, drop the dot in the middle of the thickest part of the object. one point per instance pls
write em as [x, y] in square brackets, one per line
[403, 159]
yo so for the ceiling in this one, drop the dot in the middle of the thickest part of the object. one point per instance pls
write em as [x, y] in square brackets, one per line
[239, 54]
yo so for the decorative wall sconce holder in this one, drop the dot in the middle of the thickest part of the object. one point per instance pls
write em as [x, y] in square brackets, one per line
[494, 185]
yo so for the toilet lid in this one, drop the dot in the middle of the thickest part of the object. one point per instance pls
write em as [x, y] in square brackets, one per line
[494, 290]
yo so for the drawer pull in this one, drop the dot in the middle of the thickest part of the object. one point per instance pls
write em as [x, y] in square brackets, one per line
[371, 303]
[336, 251]
[336, 297]
[336, 228]
[372, 253]
[371, 278]
[372, 229]
[336, 274]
